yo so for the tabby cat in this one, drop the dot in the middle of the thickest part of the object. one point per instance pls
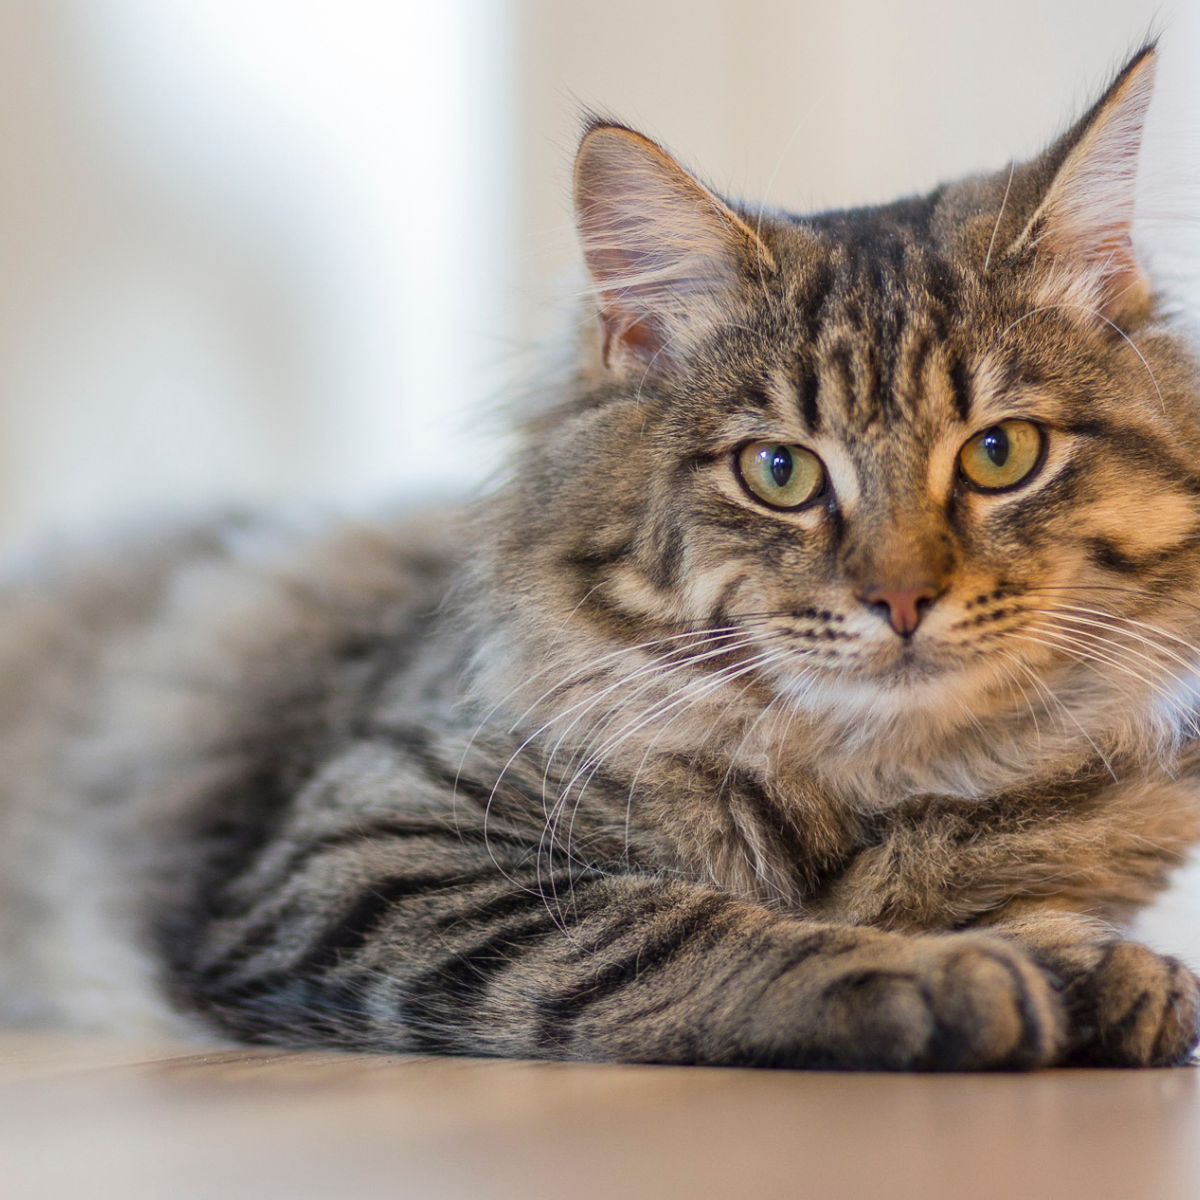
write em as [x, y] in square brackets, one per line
[818, 690]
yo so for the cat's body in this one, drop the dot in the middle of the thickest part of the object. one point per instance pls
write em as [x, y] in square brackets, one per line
[819, 688]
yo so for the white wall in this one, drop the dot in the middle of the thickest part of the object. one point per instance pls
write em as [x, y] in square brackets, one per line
[248, 249]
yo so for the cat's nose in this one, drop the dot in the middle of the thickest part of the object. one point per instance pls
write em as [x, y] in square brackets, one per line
[905, 605]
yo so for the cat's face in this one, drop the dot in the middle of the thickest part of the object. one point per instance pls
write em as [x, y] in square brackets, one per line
[899, 471]
[914, 466]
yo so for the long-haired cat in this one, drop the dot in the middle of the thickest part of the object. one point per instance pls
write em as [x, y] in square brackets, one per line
[819, 689]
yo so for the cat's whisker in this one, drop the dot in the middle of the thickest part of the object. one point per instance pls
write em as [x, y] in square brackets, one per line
[704, 686]
[1088, 649]
[708, 682]
[1100, 755]
[1084, 625]
[1121, 618]
[659, 675]
[1092, 647]
[656, 673]
[600, 755]
[1094, 312]
[573, 676]
[1122, 654]
[1008, 656]
[655, 669]
[1054, 704]
[1186, 685]
[592, 666]
[786, 654]
[597, 755]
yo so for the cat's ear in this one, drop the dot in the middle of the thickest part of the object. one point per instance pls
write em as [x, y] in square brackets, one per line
[1084, 222]
[665, 255]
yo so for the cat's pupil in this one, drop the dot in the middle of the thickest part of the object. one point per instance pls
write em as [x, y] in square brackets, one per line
[995, 445]
[781, 466]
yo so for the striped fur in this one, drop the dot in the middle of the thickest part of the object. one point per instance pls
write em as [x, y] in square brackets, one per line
[625, 765]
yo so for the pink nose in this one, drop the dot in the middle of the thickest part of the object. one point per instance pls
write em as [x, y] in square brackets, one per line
[905, 606]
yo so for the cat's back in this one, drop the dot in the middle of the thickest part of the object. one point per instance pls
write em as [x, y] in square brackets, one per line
[128, 671]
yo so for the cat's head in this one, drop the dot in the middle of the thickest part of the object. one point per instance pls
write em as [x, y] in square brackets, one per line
[903, 470]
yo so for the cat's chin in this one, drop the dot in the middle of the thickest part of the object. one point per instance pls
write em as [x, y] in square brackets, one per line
[930, 698]
[927, 726]
[971, 729]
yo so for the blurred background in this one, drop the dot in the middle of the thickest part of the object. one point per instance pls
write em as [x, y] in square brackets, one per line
[265, 249]
[253, 249]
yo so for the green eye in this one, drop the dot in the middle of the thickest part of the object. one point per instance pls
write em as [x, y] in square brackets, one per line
[781, 476]
[1003, 455]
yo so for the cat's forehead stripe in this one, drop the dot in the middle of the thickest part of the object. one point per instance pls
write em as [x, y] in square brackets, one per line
[960, 389]
[869, 317]
[808, 386]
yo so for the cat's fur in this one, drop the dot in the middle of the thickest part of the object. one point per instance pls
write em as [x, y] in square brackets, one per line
[624, 764]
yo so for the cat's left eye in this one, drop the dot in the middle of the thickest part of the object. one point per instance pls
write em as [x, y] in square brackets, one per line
[780, 475]
[1002, 456]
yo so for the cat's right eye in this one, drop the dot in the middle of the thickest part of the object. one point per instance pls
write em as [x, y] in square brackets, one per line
[780, 475]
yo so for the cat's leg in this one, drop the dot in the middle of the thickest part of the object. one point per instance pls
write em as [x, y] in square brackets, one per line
[1126, 1005]
[441, 951]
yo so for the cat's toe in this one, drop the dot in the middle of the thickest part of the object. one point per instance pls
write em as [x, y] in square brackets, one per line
[961, 1002]
[1142, 1009]
[993, 1008]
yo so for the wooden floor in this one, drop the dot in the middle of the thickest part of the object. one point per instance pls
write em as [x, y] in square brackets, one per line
[96, 1119]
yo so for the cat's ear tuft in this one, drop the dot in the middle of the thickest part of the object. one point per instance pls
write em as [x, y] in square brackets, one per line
[1084, 223]
[665, 254]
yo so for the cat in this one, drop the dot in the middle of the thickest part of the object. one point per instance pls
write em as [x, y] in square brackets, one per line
[818, 689]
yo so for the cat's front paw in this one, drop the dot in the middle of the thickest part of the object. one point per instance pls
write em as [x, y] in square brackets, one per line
[1135, 1008]
[947, 1002]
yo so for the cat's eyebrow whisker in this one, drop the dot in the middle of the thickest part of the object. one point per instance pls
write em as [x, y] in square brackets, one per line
[1095, 312]
[1012, 170]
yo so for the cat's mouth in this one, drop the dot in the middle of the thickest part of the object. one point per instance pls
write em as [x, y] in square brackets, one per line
[878, 667]
[883, 666]
[906, 664]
